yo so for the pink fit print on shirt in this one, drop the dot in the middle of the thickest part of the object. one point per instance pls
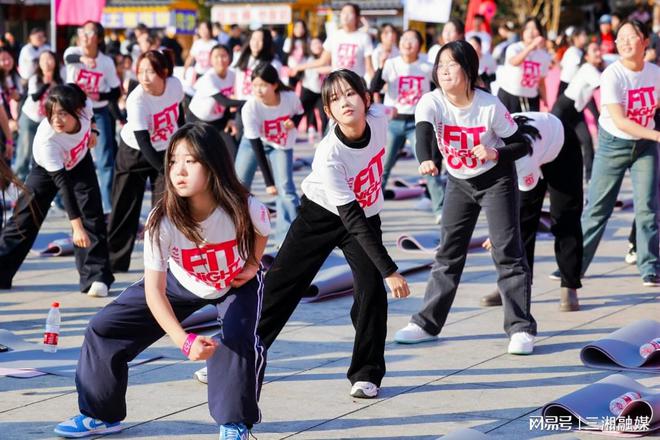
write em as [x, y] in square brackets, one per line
[215, 265]
[456, 145]
[531, 73]
[275, 132]
[367, 182]
[219, 109]
[346, 55]
[410, 89]
[89, 81]
[76, 153]
[641, 104]
[164, 123]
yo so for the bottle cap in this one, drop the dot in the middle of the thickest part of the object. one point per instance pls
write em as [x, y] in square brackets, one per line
[55, 304]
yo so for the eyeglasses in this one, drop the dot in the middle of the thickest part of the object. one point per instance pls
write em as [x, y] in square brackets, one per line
[83, 32]
[629, 39]
[449, 66]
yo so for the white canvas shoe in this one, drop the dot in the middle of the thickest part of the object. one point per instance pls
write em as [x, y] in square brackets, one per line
[521, 343]
[98, 290]
[364, 390]
[413, 334]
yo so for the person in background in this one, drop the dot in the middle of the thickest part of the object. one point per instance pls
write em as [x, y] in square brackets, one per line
[606, 34]
[236, 38]
[27, 59]
[219, 34]
[453, 30]
[487, 65]
[95, 73]
[310, 95]
[479, 30]
[11, 88]
[388, 46]
[200, 52]
[507, 31]
[170, 42]
[296, 50]
[33, 111]
[572, 59]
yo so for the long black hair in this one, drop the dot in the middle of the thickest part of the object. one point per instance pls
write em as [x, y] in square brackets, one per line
[57, 79]
[69, 96]
[268, 73]
[266, 54]
[331, 85]
[527, 130]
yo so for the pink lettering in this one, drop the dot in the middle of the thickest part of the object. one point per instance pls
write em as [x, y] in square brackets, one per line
[531, 74]
[367, 182]
[466, 138]
[89, 81]
[213, 264]
[641, 105]
[164, 123]
[346, 55]
[410, 89]
[275, 132]
[76, 153]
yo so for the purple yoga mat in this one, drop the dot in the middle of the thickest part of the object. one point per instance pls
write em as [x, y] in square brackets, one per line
[620, 349]
[403, 193]
[588, 407]
[427, 243]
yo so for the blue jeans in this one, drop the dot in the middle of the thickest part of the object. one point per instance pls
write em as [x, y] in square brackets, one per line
[104, 155]
[399, 131]
[282, 163]
[27, 129]
[613, 156]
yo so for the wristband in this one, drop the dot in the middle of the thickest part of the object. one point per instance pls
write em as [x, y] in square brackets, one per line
[187, 344]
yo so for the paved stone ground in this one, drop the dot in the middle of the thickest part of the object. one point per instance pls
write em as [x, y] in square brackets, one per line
[465, 379]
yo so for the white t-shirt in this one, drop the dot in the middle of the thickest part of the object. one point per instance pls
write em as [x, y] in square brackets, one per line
[101, 79]
[486, 39]
[375, 55]
[432, 53]
[570, 63]
[487, 64]
[202, 104]
[485, 121]
[201, 52]
[544, 150]
[54, 151]
[267, 122]
[35, 110]
[208, 269]
[406, 83]
[243, 85]
[582, 86]
[28, 59]
[523, 79]
[349, 50]
[156, 114]
[312, 79]
[636, 92]
[341, 174]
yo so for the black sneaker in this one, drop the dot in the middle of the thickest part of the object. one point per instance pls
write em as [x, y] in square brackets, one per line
[651, 280]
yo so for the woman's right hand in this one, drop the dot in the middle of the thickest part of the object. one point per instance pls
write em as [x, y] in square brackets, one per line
[398, 285]
[428, 168]
[202, 348]
[80, 238]
[271, 190]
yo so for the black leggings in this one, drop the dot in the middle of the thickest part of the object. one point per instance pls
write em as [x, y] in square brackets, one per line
[517, 104]
[220, 125]
[311, 101]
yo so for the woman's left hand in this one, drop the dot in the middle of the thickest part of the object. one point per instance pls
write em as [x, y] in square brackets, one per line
[249, 271]
[288, 124]
[483, 152]
[91, 143]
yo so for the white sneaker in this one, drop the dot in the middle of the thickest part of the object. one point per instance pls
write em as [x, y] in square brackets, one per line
[424, 204]
[521, 343]
[413, 334]
[438, 219]
[631, 255]
[201, 375]
[98, 290]
[364, 390]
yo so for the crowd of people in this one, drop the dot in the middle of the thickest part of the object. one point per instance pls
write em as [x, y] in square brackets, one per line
[94, 131]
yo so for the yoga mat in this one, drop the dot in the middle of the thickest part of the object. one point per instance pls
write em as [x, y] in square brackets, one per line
[427, 243]
[335, 278]
[620, 349]
[588, 407]
[44, 241]
[403, 183]
[624, 204]
[299, 163]
[27, 359]
[465, 434]
[401, 193]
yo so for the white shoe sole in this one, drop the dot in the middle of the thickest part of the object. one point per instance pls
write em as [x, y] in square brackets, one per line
[203, 378]
[89, 433]
[414, 341]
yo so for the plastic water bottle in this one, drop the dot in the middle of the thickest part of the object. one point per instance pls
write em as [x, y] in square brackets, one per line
[650, 347]
[52, 333]
[617, 405]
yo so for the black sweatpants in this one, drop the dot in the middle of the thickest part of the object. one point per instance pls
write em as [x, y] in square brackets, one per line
[311, 237]
[312, 101]
[131, 173]
[563, 179]
[125, 327]
[517, 104]
[32, 206]
[496, 191]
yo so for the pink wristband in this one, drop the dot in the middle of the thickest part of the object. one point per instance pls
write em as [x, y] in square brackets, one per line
[187, 345]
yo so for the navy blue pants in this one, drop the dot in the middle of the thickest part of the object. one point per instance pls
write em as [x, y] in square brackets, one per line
[126, 327]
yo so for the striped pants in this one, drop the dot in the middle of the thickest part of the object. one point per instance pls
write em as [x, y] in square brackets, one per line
[126, 327]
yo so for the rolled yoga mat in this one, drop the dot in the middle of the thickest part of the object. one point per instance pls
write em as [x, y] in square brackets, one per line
[403, 193]
[589, 407]
[620, 349]
[427, 243]
[50, 244]
[27, 359]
